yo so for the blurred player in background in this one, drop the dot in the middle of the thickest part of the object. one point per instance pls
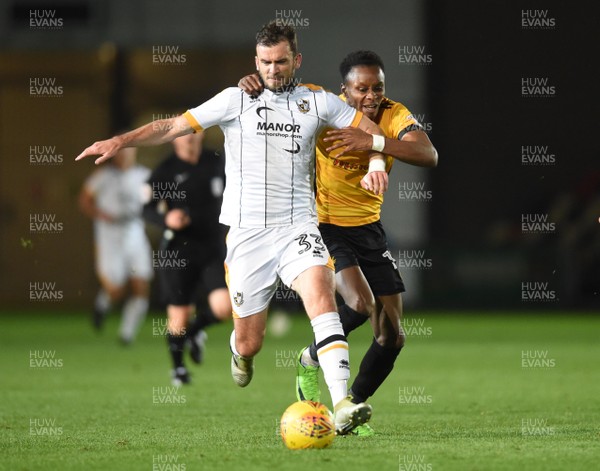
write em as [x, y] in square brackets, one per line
[367, 277]
[269, 204]
[112, 197]
[186, 192]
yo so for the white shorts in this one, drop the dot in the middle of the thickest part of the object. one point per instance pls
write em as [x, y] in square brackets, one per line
[258, 258]
[122, 252]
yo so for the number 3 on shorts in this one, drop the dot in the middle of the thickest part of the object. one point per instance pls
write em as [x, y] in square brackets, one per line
[302, 242]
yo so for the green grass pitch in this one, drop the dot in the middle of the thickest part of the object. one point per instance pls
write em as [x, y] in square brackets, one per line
[510, 391]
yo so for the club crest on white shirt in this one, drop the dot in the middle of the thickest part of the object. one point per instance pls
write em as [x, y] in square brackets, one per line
[303, 105]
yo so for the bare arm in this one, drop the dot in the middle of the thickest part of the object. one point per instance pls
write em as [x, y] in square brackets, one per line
[414, 148]
[375, 180]
[87, 204]
[368, 126]
[151, 134]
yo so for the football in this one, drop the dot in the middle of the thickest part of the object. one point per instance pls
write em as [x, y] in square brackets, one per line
[307, 424]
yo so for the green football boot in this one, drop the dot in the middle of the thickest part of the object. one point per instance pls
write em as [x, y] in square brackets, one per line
[363, 430]
[307, 381]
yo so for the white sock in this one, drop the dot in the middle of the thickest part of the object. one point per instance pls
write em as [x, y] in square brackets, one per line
[232, 344]
[134, 313]
[332, 350]
[102, 302]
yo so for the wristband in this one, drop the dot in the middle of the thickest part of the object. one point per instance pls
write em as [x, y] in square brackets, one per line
[378, 143]
[376, 165]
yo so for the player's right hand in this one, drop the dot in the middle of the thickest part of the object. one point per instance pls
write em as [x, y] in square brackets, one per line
[251, 84]
[105, 149]
[375, 182]
[177, 219]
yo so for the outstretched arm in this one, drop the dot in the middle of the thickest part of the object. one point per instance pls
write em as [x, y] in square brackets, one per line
[151, 134]
[414, 148]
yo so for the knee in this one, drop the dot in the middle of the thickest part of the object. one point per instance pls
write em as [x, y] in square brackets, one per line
[115, 294]
[220, 305]
[364, 304]
[248, 346]
[178, 319]
[177, 326]
[316, 287]
[393, 340]
[319, 303]
[248, 349]
[400, 339]
[141, 290]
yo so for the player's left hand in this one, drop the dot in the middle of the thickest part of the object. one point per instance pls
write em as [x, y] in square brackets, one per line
[376, 182]
[353, 139]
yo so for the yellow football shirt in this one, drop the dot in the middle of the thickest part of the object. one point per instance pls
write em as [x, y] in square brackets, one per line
[340, 198]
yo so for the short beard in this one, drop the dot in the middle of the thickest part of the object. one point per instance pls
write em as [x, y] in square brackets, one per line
[288, 87]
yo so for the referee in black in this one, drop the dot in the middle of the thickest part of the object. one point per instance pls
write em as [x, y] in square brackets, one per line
[186, 195]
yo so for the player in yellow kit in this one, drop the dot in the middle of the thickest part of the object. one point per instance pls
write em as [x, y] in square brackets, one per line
[367, 277]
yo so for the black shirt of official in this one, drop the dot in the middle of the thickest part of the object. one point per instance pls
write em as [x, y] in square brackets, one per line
[197, 189]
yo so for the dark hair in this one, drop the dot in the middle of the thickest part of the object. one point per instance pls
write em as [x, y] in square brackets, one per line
[274, 32]
[359, 58]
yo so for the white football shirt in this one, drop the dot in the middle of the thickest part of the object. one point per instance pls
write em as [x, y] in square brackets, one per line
[118, 193]
[270, 151]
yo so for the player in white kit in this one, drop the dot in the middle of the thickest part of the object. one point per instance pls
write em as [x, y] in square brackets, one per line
[112, 197]
[269, 204]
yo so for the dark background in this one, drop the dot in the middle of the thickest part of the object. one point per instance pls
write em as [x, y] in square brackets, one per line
[470, 231]
[481, 188]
